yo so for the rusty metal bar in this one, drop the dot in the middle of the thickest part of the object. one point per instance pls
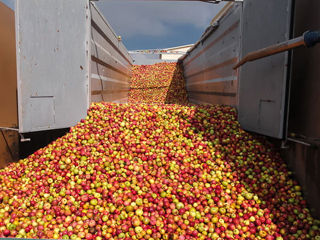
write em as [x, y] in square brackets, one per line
[268, 51]
[308, 39]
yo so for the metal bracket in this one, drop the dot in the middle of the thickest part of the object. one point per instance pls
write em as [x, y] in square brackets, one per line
[22, 138]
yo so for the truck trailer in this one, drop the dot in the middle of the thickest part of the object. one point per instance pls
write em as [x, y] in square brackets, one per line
[64, 63]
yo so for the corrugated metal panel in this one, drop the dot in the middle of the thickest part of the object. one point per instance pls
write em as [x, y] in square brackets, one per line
[53, 41]
[262, 90]
[111, 62]
[208, 67]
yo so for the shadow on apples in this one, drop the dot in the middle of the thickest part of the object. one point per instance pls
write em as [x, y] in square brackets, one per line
[177, 93]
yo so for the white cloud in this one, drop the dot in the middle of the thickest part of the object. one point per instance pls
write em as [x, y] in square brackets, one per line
[133, 18]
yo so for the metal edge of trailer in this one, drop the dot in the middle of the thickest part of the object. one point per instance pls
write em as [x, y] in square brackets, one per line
[17, 9]
[88, 51]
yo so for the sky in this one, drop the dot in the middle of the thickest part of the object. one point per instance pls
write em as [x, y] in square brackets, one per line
[9, 3]
[154, 24]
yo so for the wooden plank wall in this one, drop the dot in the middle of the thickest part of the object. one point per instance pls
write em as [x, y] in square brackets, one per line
[9, 140]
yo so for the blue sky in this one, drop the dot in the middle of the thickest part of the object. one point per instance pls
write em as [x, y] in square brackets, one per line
[9, 3]
[154, 24]
[145, 25]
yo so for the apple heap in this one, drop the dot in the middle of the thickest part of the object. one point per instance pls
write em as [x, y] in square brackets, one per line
[152, 76]
[154, 171]
[158, 83]
[148, 96]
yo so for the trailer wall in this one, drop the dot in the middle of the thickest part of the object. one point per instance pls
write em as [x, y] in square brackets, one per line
[110, 62]
[277, 96]
[304, 113]
[208, 65]
[68, 56]
[8, 87]
[53, 43]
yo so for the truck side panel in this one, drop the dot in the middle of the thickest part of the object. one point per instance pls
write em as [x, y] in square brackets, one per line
[53, 63]
[304, 114]
[208, 66]
[110, 62]
[263, 83]
[68, 56]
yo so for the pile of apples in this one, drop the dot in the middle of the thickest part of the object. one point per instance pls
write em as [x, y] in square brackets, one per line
[155, 171]
[158, 83]
[160, 171]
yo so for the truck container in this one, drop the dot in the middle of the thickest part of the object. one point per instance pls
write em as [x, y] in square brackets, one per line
[68, 56]
[275, 96]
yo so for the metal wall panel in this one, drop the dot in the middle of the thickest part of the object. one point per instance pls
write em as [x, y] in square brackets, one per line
[304, 114]
[262, 90]
[68, 56]
[305, 85]
[208, 66]
[53, 45]
[110, 62]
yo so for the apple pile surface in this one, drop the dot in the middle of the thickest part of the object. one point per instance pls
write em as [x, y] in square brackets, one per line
[158, 83]
[151, 76]
[154, 171]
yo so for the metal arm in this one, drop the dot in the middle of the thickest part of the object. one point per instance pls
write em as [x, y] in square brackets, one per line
[308, 39]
